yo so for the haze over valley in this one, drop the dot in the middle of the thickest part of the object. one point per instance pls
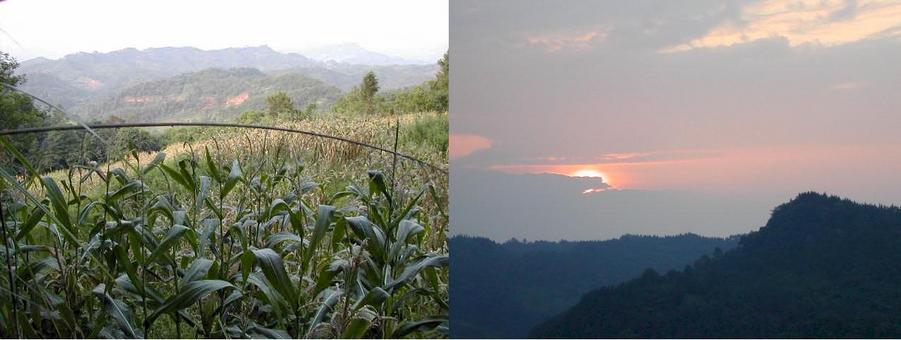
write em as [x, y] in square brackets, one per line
[197, 85]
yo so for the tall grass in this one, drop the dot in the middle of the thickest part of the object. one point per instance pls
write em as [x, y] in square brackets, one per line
[226, 237]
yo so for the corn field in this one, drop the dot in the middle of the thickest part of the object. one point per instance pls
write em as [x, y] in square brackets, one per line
[226, 238]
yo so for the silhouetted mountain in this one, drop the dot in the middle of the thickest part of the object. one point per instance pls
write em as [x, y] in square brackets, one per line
[208, 95]
[821, 267]
[502, 290]
[533, 202]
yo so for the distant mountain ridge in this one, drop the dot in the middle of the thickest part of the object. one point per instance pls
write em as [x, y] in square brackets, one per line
[503, 290]
[822, 267]
[207, 95]
[82, 78]
[351, 53]
[113, 70]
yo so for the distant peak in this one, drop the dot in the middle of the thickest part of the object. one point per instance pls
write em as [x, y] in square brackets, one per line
[809, 199]
[813, 215]
[813, 195]
[265, 48]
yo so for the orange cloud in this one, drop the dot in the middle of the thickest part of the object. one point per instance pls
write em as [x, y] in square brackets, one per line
[804, 21]
[623, 170]
[462, 145]
[791, 168]
[565, 41]
[614, 175]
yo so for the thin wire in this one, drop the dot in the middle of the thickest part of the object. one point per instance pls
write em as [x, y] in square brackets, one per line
[90, 128]
[65, 114]
[232, 125]
[11, 38]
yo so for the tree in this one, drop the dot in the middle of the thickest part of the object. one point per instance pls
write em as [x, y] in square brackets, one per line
[8, 67]
[431, 95]
[368, 89]
[18, 111]
[135, 140]
[442, 79]
[441, 85]
[309, 111]
[280, 103]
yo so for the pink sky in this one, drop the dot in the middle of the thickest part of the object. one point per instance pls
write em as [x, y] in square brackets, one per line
[738, 104]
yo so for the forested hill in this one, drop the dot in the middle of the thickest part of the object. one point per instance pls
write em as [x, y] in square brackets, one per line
[822, 267]
[208, 95]
[109, 72]
[346, 76]
[82, 77]
[503, 290]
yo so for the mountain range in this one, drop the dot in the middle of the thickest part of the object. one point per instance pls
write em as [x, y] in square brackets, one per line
[822, 267]
[351, 53]
[82, 82]
[208, 95]
[503, 290]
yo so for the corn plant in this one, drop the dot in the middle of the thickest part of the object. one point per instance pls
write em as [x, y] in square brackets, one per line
[197, 246]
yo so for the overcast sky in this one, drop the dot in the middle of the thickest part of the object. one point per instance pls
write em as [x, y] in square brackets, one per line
[747, 102]
[53, 28]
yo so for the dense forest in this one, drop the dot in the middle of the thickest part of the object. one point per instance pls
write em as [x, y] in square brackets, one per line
[208, 95]
[822, 267]
[502, 290]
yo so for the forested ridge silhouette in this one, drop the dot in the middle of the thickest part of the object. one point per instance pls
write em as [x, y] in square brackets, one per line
[822, 266]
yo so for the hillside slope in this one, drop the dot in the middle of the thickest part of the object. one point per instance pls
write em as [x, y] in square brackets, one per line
[821, 267]
[208, 95]
[82, 77]
[502, 290]
[108, 72]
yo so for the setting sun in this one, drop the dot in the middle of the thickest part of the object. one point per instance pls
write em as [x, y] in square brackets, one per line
[588, 173]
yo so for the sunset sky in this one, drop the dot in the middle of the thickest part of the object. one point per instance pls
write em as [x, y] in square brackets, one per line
[737, 104]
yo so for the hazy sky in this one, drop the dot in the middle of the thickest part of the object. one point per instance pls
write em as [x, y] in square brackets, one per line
[747, 102]
[53, 28]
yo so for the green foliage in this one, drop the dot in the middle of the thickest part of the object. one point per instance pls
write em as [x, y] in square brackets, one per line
[415, 99]
[428, 132]
[502, 290]
[351, 103]
[58, 149]
[8, 66]
[368, 89]
[822, 267]
[430, 96]
[191, 134]
[64, 149]
[62, 81]
[18, 111]
[308, 111]
[135, 140]
[200, 245]
[213, 95]
[254, 117]
[441, 85]
[280, 104]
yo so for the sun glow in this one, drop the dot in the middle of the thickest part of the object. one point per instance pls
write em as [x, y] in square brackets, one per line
[588, 173]
[615, 175]
[592, 174]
